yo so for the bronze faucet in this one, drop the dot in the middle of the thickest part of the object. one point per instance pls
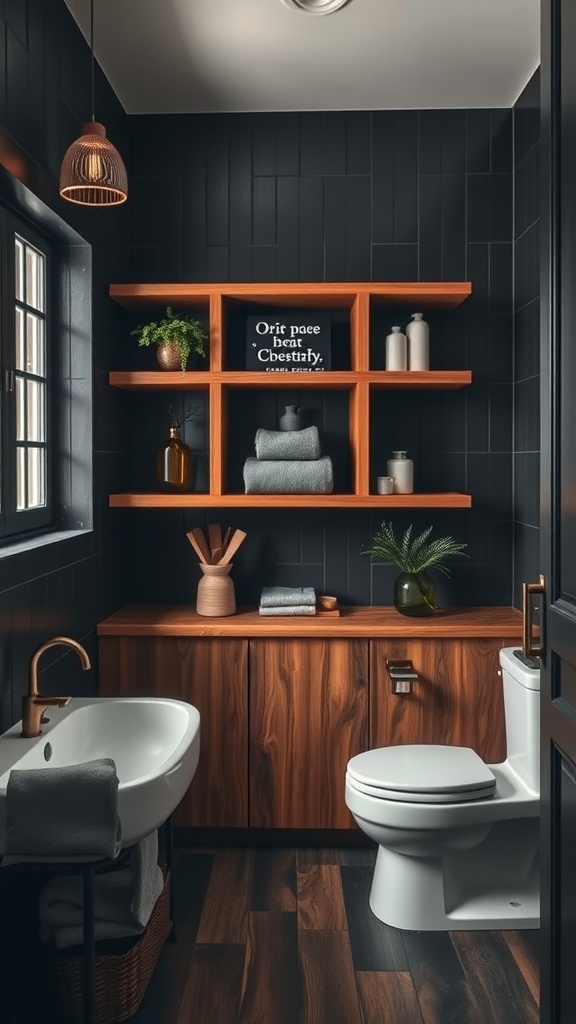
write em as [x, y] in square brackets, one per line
[34, 705]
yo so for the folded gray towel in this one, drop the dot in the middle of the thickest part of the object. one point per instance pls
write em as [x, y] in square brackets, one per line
[288, 444]
[288, 609]
[267, 476]
[68, 813]
[123, 900]
[277, 597]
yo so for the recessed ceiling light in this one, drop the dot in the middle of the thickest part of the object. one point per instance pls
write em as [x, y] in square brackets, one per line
[315, 6]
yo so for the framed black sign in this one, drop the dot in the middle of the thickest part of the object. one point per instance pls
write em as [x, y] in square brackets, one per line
[288, 341]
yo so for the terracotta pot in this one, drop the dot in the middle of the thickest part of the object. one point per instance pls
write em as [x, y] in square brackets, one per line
[215, 591]
[168, 355]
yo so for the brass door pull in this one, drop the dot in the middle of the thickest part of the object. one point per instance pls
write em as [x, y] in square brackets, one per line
[530, 648]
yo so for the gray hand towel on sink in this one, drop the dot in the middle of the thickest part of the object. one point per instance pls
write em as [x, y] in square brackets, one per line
[68, 813]
[274, 597]
[123, 900]
[288, 444]
[268, 476]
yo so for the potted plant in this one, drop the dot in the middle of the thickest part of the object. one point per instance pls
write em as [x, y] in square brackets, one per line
[414, 590]
[176, 335]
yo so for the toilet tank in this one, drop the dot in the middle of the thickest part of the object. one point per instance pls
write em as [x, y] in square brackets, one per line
[521, 686]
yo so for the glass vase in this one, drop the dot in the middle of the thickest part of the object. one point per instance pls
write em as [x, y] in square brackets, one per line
[414, 594]
[174, 464]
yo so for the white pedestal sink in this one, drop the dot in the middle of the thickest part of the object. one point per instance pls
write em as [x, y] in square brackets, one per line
[154, 742]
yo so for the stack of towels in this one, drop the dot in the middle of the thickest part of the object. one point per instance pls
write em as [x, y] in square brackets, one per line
[288, 462]
[70, 815]
[288, 601]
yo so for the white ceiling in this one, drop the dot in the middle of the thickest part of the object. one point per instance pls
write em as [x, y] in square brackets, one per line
[178, 56]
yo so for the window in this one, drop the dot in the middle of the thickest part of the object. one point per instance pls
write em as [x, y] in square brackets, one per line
[26, 498]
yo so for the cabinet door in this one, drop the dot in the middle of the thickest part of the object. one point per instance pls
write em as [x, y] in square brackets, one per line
[308, 716]
[457, 697]
[211, 674]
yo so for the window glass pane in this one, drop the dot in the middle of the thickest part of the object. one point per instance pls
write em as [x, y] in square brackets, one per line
[20, 339]
[20, 409]
[36, 477]
[35, 429]
[20, 479]
[19, 269]
[34, 278]
[35, 362]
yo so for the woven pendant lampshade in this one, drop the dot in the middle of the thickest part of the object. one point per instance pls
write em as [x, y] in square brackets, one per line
[92, 171]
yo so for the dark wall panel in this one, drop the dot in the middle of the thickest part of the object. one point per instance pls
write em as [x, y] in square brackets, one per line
[401, 195]
[64, 588]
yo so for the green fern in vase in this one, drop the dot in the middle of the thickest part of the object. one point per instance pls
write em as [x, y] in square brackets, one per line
[414, 591]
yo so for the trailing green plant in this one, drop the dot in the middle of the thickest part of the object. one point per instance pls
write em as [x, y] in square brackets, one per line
[414, 555]
[187, 334]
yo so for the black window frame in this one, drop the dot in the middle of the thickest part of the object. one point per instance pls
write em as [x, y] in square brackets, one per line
[14, 524]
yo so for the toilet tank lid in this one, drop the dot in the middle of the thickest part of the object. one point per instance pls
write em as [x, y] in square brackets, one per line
[522, 673]
[422, 767]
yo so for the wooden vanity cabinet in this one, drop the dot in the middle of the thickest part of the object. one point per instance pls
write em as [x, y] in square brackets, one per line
[212, 674]
[308, 716]
[284, 705]
[457, 697]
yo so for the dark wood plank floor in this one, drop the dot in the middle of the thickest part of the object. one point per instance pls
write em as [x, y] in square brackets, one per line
[285, 936]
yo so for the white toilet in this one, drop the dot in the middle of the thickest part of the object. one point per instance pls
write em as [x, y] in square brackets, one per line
[458, 839]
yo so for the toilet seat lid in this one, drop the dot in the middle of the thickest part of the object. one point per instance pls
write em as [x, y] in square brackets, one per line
[422, 772]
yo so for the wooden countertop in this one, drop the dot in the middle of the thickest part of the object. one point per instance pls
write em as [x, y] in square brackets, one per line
[369, 622]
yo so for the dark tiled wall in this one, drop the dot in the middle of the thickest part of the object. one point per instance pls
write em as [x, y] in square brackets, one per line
[325, 197]
[66, 587]
[526, 337]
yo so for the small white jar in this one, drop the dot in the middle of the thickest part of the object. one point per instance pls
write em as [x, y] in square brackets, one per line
[396, 350]
[402, 469]
[418, 335]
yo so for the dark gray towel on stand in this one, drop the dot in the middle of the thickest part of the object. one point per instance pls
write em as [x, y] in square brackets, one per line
[68, 813]
[288, 444]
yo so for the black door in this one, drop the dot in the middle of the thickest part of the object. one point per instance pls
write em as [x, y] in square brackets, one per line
[558, 512]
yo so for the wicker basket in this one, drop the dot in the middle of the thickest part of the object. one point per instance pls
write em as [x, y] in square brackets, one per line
[120, 980]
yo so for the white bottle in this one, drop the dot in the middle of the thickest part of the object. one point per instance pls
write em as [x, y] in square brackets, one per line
[396, 350]
[402, 469]
[418, 343]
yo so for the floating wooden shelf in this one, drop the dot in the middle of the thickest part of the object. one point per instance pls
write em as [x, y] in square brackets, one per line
[217, 302]
[384, 501]
[431, 294]
[154, 380]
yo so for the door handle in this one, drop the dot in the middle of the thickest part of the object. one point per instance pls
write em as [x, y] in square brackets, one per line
[529, 648]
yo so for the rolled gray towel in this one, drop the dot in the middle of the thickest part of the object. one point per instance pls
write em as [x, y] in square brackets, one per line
[68, 813]
[282, 597]
[288, 444]
[266, 476]
[289, 609]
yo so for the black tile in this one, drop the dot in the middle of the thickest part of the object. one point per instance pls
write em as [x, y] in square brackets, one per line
[477, 418]
[264, 144]
[500, 207]
[501, 148]
[430, 227]
[358, 228]
[240, 195]
[501, 417]
[429, 142]
[478, 208]
[405, 177]
[478, 141]
[335, 239]
[453, 135]
[501, 278]
[311, 150]
[334, 143]
[311, 225]
[358, 142]
[288, 144]
[382, 177]
[453, 227]
[264, 211]
[394, 263]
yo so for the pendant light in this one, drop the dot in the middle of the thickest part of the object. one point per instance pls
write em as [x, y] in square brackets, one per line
[92, 171]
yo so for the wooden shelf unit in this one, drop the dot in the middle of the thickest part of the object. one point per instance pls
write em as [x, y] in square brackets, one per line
[360, 381]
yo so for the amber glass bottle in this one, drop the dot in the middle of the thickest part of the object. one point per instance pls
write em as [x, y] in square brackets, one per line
[174, 463]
